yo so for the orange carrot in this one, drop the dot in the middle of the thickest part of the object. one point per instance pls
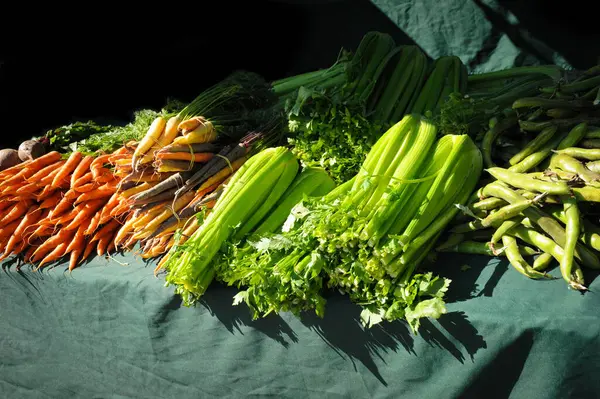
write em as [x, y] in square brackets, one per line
[16, 179]
[64, 205]
[63, 236]
[56, 254]
[86, 187]
[51, 201]
[103, 191]
[81, 169]
[83, 179]
[111, 204]
[13, 169]
[74, 258]
[90, 246]
[29, 253]
[43, 230]
[44, 160]
[97, 165]
[47, 192]
[186, 156]
[84, 214]
[71, 195]
[78, 240]
[121, 208]
[17, 211]
[12, 189]
[53, 169]
[68, 168]
[33, 215]
[103, 243]
[28, 189]
[8, 229]
[93, 224]
[110, 227]
[105, 177]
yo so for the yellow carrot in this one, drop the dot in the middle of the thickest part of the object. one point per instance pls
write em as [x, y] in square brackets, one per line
[151, 137]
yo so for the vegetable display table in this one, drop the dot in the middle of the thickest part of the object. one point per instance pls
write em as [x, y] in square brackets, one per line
[110, 330]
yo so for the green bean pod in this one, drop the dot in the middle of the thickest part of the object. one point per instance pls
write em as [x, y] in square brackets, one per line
[575, 135]
[590, 143]
[560, 123]
[537, 157]
[516, 259]
[572, 235]
[547, 245]
[546, 222]
[572, 165]
[534, 145]
[482, 248]
[586, 194]
[496, 128]
[529, 102]
[560, 113]
[453, 240]
[504, 229]
[467, 227]
[593, 132]
[509, 211]
[542, 262]
[520, 180]
[488, 204]
[549, 199]
[590, 154]
[594, 166]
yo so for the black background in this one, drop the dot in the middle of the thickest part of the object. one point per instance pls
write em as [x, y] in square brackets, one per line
[108, 62]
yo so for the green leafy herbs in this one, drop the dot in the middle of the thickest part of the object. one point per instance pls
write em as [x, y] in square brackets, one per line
[329, 131]
[60, 138]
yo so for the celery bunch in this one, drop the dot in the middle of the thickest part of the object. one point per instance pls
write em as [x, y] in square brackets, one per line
[368, 236]
[253, 190]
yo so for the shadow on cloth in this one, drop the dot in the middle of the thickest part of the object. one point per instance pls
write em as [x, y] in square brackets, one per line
[342, 330]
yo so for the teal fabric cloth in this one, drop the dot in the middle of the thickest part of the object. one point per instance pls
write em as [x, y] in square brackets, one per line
[112, 330]
[486, 34]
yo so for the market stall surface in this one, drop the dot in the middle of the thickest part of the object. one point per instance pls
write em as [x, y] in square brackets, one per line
[113, 330]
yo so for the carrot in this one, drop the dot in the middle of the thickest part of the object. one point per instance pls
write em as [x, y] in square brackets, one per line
[170, 166]
[121, 208]
[94, 221]
[154, 132]
[64, 205]
[138, 189]
[84, 214]
[125, 161]
[56, 254]
[12, 189]
[83, 179]
[161, 264]
[172, 228]
[28, 189]
[86, 187]
[16, 179]
[186, 156]
[122, 233]
[8, 229]
[14, 169]
[73, 258]
[90, 246]
[110, 227]
[44, 160]
[146, 175]
[98, 163]
[130, 242]
[101, 192]
[17, 211]
[71, 195]
[105, 177]
[29, 253]
[53, 169]
[112, 203]
[114, 158]
[63, 236]
[103, 243]
[5, 204]
[151, 225]
[81, 169]
[124, 150]
[32, 216]
[51, 201]
[43, 230]
[79, 238]
[72, 162]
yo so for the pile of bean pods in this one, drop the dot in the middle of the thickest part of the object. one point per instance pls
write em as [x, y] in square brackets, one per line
[537, 203]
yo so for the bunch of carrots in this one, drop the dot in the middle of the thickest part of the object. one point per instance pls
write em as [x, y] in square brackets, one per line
[176, 172]
[53, 207]
[148, 192]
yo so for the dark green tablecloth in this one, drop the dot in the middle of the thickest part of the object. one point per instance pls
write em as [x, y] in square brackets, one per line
[114, 331]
